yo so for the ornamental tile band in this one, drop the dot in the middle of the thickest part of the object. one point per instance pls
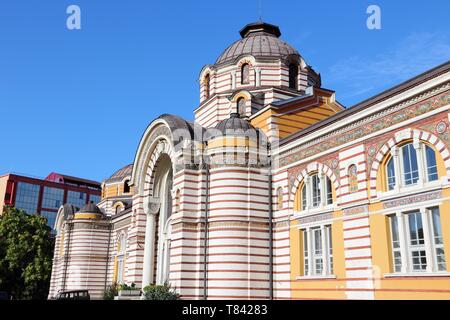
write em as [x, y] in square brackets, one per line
[413, 199]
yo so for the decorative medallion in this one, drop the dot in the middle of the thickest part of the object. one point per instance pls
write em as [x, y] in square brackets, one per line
[334, 163]
[441, 127]
[371, 151]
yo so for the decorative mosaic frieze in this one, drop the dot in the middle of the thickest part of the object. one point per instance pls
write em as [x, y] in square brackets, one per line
[315, 218]
[412, 199]
[356, 210]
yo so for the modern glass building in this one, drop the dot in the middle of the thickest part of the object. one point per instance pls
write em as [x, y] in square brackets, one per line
[45, 196]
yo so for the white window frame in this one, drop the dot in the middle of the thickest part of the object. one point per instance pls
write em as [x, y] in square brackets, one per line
[312, 257]
[394, 177]
[306, 204]
[406, 248]
[423, 183]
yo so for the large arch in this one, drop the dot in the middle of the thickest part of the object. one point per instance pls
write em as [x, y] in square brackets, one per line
[398, 137]
[312, 167]
[163, 135]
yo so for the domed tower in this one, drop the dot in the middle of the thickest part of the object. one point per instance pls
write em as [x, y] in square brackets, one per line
[82, 250]
[238, 218]
[252, 72]
[116, 192]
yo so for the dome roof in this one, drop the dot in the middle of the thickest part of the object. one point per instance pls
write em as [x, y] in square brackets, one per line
[235, 125]
[121, 173]
[260, 40]
[90, 208]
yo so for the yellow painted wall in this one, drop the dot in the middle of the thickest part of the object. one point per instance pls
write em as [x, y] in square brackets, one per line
[114, 191]
[290, 120]
[298, 120]
[261, 121]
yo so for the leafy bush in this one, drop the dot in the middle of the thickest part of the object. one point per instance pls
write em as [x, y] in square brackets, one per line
[128, 287]
[111, 291]
[160, 292]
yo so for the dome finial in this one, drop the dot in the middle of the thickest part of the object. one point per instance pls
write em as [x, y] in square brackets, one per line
[260, 27]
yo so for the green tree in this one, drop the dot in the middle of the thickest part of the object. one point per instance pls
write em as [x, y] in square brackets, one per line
[26, 251]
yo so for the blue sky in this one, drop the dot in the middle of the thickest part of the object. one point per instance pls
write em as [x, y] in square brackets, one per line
[77, 102]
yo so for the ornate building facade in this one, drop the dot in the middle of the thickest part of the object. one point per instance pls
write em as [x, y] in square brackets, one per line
[275, 190]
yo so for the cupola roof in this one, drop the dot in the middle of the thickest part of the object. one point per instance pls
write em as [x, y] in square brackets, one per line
[259, 39]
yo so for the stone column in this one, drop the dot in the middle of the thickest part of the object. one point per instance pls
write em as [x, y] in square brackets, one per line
[151, 208]
[402, 241]
[322, 184]
[397, 173]
[308, 192]
[323, 235]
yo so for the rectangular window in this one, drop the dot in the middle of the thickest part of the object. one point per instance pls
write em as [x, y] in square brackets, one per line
[416, 241]
[53, 198]
[94, 198]
[396, 253]
[51, 217]
[437, 239]
[317, 255]
[317, 252]
[27, 197]
[76, 198]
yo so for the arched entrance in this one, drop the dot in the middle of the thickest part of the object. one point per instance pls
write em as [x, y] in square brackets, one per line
[163, 191]
[158, 229]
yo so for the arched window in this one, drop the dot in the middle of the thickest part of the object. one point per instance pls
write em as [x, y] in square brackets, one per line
[245, 74]
[279, 198]
[353, 178]
[126, 187]
[241, 106]
[315, 191]
[119, 208]
[120, 258]
[409, 164]
[206, 84]
[293, 76]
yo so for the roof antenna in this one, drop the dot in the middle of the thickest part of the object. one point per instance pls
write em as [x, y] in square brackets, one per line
[260, 10]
